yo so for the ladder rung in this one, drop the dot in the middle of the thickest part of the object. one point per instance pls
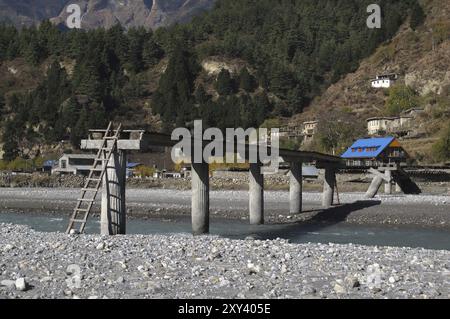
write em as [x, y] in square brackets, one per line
[94, 179]
[81, 210]
[86, 200]
[78, 221]
[89, 190]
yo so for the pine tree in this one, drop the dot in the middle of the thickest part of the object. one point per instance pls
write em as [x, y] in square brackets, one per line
[135, 50]
[201, 97]
[417, 16]
[2, 102]
[174, 97]
[152, 53]
[224, 83]
[247, 81]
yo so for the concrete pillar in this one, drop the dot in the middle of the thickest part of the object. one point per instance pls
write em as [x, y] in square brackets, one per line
[388, 185]
[328, 187]
[256, 195]
[113, 209]
[295, 188]
[200, 199]
[398, 189]
[374, 187]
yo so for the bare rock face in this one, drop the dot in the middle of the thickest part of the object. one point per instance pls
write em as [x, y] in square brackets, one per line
[104, 13]
[26, 12]
[430, 74]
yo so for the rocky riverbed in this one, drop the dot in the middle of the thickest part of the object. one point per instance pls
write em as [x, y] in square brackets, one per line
[55, 265]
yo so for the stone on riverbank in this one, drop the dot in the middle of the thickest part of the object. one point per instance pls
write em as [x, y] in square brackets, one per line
[183, 266]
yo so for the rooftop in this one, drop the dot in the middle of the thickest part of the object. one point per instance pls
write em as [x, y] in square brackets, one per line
[368, 148]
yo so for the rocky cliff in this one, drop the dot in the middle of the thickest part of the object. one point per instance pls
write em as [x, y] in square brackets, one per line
[104, 13]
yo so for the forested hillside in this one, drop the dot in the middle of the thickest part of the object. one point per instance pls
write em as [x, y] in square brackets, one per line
[291, 51]
[420, 55]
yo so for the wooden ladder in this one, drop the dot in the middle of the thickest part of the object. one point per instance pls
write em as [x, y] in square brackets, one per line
[94, 180]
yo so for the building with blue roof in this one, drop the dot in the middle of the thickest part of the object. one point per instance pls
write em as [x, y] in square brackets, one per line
[375, 152]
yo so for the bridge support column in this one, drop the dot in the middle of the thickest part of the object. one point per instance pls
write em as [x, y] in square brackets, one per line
[200, 199]
[295, 188]
[328, 187]
[113, 208]
[374, 187]
[388, 184]
[256, 195]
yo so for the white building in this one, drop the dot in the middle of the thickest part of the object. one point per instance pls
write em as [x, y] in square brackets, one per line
[400, 125]
[384, 81]
[309, 129]
[74, 164]
[389, 125]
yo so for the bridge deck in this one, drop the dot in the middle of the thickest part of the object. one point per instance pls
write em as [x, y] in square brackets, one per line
[140, 140]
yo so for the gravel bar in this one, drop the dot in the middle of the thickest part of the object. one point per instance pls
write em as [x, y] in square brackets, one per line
[55, 265]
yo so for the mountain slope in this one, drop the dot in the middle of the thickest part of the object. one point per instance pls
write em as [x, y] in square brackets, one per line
[26, 12]
[422, 60]
[104, 13]
[409, 54]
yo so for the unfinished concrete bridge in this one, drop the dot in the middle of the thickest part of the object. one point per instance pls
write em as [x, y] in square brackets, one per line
[109, 174]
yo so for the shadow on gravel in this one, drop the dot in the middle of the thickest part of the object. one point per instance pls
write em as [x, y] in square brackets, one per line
[339, 213]
[324, 218]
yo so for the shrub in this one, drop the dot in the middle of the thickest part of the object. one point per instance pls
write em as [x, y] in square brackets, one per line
[401, 98]
[441, 149]
[145, 171]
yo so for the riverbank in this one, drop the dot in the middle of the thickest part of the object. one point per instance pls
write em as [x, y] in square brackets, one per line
[437, 183]
[421, 210]
[182, 266]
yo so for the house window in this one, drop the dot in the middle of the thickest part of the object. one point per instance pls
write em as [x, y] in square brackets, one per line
[360, 150]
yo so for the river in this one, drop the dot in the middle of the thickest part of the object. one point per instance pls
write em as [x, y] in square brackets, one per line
[236, 229]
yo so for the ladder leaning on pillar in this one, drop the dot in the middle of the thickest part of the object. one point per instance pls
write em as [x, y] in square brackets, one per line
[80, 213]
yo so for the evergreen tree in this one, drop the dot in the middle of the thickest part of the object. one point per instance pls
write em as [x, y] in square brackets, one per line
[136, 47]
[247, 81]
[152, 53]
[174, 96]
[224, 83]
[201, 97]
[417, 16]
[2, 103]
[70, 113]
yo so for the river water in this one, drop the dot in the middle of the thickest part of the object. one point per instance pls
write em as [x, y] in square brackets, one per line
[236, 229]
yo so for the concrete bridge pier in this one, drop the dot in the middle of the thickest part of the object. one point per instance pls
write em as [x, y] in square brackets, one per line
[256, 195]
[328, 186]
[374, 187]
[113, 208]
[200, 198]
[388, 184]
[296, 188]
